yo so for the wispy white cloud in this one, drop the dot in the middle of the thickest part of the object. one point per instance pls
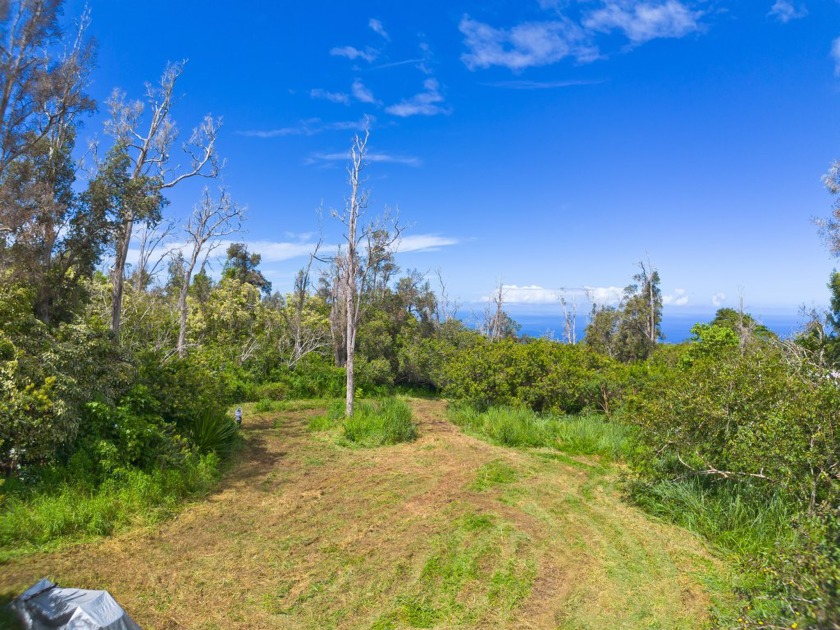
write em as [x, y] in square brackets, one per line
[352, 53]
[376, 26]
[609, 296]
[679, 298]
[523, 46]
[423, 243]
[426, 103]
[335, 97]
[785, 11]
[395, 64]
[362, 93]
[542, 85]
[541, 43]
[528, 294]
[644, 21]
[384, 158]
[308, 127]
[270, 251]
[718, 299]
[835, 55]
[535, 294]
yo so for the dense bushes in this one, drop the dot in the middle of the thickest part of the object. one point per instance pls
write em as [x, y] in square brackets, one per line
[743, 445]
[542, 375]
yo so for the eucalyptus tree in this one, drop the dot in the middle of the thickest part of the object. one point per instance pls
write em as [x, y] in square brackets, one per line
[210, 221]
[43, 76]
[362, 263]
[142, 165]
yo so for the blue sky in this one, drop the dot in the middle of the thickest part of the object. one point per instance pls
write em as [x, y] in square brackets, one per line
[550, 144]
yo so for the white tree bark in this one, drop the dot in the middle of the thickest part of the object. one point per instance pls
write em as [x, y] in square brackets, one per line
[210, 222]
[149, 153]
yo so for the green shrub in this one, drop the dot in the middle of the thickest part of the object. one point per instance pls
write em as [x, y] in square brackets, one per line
[213, 431]
[271, 391]
[542, 375]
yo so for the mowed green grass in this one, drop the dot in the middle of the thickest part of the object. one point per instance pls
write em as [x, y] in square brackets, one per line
[446, 531]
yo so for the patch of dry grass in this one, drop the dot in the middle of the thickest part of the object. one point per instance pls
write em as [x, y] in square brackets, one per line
[444, 532]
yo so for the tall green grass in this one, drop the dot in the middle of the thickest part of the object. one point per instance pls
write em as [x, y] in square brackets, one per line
[373, 423]
[755, 530]
[586, 435]
[731, 515]
[74, 511]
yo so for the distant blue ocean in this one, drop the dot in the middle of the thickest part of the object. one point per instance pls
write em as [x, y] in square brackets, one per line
[676, 325]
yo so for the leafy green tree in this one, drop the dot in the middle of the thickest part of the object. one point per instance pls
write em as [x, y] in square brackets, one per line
[631, 332]
[601, 333]
[241, 265]
[639, 329]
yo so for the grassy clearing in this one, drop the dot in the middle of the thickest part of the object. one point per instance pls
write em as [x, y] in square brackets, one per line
[445, 532]
[576, 435]
[373, 423]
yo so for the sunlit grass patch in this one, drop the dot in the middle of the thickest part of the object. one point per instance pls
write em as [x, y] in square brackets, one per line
[577, 435]
[373, 423]
[477, 573]
[493, 474]
[73, 511]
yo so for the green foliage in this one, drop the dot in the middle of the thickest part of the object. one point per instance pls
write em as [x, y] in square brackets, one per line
[380, 423]
[542, 375]
[709, 341]
[630, 332]
[741, 443]
[213, 431]
[743, 325]
[762, 414]
[46, 378]
[70, 510]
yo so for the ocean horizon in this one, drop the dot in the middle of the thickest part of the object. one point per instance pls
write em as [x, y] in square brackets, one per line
[676, 326]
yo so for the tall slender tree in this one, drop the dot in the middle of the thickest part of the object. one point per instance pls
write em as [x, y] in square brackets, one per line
[210, 221]
[360, 264]
[142, 152]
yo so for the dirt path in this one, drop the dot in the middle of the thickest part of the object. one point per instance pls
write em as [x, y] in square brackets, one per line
[446, 532]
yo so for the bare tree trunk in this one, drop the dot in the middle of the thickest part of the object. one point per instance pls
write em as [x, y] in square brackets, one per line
[355, 204]
[210, 221]
[118, 275]
[149, 156]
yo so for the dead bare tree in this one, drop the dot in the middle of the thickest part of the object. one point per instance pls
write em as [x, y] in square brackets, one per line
[210, 221]
[495, 319]
[150, 239]
[147, 159]
[569, 319]
[446, 307]
[354, 271]
[304, 338]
